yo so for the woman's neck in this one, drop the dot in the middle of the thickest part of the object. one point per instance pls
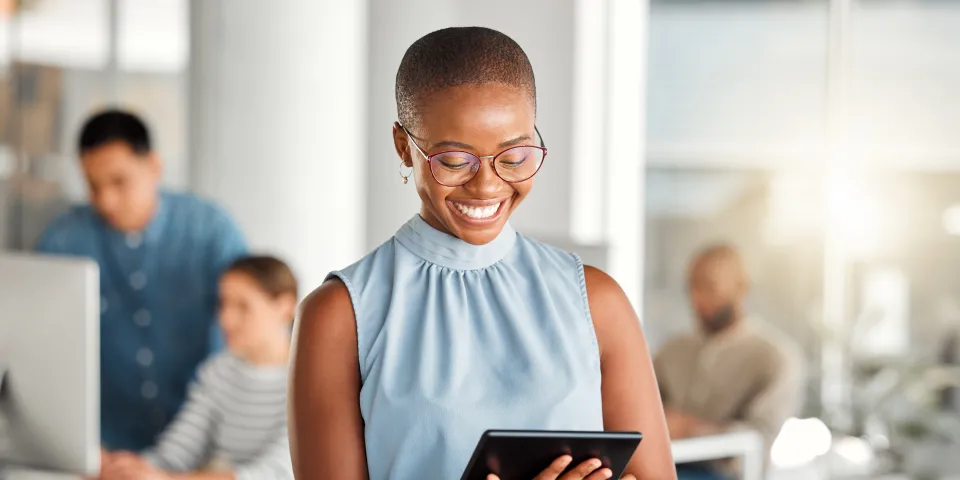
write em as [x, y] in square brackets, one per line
[432, 220]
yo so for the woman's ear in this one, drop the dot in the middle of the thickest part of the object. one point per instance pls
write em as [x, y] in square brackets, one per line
[400, 143]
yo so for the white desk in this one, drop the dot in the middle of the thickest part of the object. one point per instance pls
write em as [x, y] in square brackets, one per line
[746, 445]
[35, 475]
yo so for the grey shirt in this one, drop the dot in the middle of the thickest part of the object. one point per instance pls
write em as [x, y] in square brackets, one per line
[748, 377]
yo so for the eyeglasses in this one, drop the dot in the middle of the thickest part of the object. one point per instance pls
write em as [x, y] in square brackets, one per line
[453, 168]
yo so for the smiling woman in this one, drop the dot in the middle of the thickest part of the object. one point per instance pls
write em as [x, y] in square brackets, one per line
[459, 324]
[464, 199]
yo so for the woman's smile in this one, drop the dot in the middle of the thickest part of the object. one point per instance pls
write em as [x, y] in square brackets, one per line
[479, 212]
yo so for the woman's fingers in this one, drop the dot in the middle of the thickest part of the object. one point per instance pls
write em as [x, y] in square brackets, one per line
[588, 470]
[555, 469]
[600, 474]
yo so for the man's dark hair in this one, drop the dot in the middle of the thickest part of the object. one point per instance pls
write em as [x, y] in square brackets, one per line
[115, 126]
[460, 56]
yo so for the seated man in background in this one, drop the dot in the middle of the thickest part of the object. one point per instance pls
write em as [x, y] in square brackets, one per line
[730, 374]
[160, 256]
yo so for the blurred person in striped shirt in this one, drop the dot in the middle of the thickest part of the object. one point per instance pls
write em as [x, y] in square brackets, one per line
[234, 424]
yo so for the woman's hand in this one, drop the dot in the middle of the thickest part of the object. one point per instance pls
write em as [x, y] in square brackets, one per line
[588, 470]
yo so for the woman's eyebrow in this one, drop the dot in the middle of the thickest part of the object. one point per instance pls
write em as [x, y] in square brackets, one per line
[452, 144]
[516, 141]
[455, 144]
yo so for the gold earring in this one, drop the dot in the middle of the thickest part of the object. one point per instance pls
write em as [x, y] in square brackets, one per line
[407, 176]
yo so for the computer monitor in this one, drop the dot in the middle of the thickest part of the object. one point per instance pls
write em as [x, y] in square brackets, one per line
[50, 358]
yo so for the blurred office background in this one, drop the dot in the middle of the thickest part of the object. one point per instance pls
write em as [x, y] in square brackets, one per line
[819, 136]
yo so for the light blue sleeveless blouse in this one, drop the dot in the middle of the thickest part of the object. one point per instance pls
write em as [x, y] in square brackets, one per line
[455, 339]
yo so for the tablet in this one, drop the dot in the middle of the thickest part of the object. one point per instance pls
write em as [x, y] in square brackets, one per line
[522, 455]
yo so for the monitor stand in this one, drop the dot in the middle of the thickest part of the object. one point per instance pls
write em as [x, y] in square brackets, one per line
[4, 469]
[8, 472]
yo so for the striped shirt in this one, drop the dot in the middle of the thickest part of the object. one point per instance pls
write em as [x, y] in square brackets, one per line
[235, 413]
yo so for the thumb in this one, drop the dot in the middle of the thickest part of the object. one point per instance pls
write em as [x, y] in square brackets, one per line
[628, 477]
[494, 477]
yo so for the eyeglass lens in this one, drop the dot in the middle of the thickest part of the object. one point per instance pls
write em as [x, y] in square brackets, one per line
[513, 165]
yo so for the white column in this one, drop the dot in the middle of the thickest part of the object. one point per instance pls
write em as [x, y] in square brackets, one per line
[626, 128]
[277, 124]
[590, 106]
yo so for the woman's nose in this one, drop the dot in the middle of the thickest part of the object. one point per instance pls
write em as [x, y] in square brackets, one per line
[486, 178]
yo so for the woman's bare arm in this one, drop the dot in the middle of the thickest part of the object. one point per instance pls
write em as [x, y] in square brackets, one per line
[631, 399]
[326, 428]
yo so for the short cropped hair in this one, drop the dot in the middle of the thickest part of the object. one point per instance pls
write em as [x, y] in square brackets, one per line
[459, 56]
[115, 126]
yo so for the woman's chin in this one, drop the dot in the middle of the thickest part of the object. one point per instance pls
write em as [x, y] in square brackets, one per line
[472, 233]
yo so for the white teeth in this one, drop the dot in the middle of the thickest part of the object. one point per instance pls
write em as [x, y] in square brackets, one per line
[477, 212]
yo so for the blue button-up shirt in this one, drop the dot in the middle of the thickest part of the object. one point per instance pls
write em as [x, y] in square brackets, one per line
[158, 306]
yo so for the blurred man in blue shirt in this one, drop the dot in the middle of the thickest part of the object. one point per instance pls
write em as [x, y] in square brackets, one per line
[160, 256]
